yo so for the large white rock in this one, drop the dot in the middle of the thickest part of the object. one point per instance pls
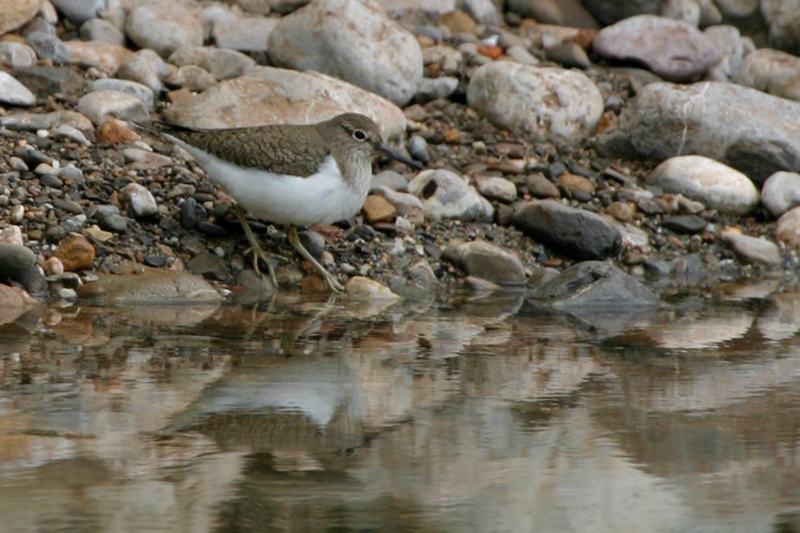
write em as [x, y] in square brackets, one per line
[445, 194]
[747, 129]
[550, 104]
[269, 95]
[699, 178]
[353, 40]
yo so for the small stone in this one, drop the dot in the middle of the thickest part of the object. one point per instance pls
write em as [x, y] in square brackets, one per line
[753, 249]
[575, 183]
[496, 188]
[378, 209]
[109, 219]
[145, 160]
[622, 211]
[192, 78]
[53, 266]
[94, 232]
[486, 261]
[540, 187]
[17, 214]
[210, 266]
[685, 224]
[140, 200]
[48, 47]
[75, 253]
[361, 288]
[115, 131]
[13, 92]
[97, 29]
[781, 192]
[101, 106]
[16, 55]
[163, 27]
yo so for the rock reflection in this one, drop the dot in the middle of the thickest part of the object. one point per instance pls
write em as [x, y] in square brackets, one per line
[482, 414]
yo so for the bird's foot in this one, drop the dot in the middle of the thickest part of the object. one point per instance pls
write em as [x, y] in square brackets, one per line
[259, 253]
[294, 240]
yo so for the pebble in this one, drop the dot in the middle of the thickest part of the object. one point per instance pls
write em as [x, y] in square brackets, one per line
[15, 13]
[753, 249]
[53, 266]
[140, 91]
[486, 261]
[360, 288]
[94, 232]
[702, 179]
[572, 232]
[570, 54]
[109, 218]
[245, 34]
[65, 131]
[684, 223]
[191, 77]
[97, 29]
[140, 200]
[430, 89]
[145, 67]
[378, 209]
[418, 148]
[448, 59]
[788, 228]
[528, 105]
[101, 106]
[747, 129]
[16, 55]
[407, 206]
[445, 194]
[12, 92]
[47, 80]
[48, 47]
[75, 253]
[144, 159]
[221, 63]
[79, 11]
[675, 50]
[354, 41]
[105, 56]
[781, 192]
[163, 27]
[496, 188]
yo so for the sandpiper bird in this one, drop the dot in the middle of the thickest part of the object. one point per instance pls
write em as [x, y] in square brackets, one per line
[294, 175]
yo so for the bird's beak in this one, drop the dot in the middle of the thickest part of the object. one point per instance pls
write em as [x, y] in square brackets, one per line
[397, 157]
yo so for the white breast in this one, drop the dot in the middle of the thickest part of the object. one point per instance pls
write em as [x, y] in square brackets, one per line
[322, 198]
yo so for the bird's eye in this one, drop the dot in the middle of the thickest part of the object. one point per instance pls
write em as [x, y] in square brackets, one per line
[360, 135]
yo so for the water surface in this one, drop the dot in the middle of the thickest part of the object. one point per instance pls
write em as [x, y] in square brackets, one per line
[484, 414]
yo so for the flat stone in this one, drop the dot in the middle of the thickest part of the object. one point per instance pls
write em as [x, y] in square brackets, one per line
[360, 288]
[97, 29]
[48, 47]
[377, 209]
[675, 50]
[569, 231]
[158, 287]
[486, 261]
[100, 54]
[101, 106]
[496, 188]
[685, 224]
[245, 34]
[702, 179]
[48, 80]
[753, 249]
[142, 92]
[12, 92]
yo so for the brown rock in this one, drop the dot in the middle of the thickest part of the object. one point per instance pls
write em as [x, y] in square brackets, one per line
[180, 95]
[458, 22]
[378, 209]
[622, 211]
[541, 187]
[13, 303]
[115, 131]
[106, 56]
[15, 13]
[576, 183]
[75, 252]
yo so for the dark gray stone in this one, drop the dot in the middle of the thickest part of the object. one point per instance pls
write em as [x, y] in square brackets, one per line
[14, 259]
[486, 261]
[685, 224]
[210, 266]
[45, 80]
[595, 286]
[572, 232]
[48, 47]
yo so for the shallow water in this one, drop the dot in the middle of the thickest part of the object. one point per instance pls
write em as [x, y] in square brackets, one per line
[486, 414]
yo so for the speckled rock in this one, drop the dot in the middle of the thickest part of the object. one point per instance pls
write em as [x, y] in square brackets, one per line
[702, 179]
[445, 194]
[549, 104]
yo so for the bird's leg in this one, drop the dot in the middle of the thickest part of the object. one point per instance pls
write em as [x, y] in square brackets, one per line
[294, 240]
[257, 251]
